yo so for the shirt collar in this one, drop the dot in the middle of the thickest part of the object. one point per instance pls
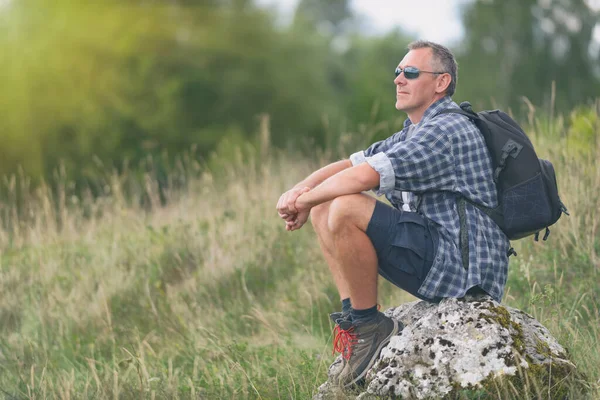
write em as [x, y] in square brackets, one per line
[433, 109]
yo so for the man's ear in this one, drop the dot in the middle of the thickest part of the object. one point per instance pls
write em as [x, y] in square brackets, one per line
[443, 82]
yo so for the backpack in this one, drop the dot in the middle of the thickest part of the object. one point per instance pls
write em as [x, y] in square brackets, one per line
[528, 199]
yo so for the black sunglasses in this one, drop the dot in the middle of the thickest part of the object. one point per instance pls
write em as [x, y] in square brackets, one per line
[413, 72]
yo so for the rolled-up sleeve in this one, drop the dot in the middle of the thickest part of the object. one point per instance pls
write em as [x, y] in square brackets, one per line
[376, 157]
[380, 163]
[358, 158]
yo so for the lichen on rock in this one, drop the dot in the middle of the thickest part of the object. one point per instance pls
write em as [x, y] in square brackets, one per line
[458, 345]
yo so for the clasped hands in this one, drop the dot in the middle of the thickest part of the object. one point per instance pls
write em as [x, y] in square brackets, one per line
[294, 213]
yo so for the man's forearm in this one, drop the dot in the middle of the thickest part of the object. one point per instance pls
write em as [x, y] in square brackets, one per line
[320, 175]
[352, 180]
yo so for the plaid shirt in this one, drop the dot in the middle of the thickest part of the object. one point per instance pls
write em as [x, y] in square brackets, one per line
[446, 156]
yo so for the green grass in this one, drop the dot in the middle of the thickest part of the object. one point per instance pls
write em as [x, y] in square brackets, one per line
[209, 297]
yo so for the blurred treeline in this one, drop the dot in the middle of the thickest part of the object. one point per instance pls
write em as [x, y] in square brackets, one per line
[87, 86]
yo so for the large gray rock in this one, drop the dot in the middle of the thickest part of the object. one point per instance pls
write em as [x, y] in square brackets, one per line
[471, 344]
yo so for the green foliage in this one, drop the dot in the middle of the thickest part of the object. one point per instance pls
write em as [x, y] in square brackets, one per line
[583, 136]
[369, 91]
[527, 48]
[83, 83]
[109, 84]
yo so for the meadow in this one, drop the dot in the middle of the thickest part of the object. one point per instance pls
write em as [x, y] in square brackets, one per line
[199, 292]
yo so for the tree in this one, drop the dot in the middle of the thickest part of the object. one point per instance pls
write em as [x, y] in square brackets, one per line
[122, 79]
[516, 48]
[330, 17]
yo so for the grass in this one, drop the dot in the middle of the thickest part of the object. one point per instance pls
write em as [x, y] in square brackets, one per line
[204, 295]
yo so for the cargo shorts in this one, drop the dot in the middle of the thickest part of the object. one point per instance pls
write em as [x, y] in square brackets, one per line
[406, 244]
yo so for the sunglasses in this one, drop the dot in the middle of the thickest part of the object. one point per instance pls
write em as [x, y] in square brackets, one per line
[413, 72]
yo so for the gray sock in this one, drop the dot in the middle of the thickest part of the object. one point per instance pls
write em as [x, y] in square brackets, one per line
[362, 316]
[346, 306]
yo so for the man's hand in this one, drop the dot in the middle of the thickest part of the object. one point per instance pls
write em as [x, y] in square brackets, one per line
[298, 221]
[286, 206]
[303, 211]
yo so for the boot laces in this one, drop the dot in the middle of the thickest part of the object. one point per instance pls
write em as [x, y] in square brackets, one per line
[343, 341]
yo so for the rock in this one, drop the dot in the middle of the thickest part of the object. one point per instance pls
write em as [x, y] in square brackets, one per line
[464, 345]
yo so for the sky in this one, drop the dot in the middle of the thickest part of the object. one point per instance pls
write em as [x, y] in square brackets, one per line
[436, 20]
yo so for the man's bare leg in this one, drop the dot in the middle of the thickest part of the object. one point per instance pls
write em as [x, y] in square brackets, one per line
[319, 217]
[353, 251]
[341, 225]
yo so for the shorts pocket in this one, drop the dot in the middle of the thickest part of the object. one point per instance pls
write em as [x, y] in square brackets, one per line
[407, 248]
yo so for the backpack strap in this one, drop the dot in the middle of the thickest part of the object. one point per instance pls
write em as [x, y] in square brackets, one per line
[464, 232]
[465, 109]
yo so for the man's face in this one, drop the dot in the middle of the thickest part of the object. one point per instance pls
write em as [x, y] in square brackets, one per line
[416, 94]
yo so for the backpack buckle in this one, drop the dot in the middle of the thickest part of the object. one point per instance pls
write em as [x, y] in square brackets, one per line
[511, 148]
[546, 234]
[563, 208]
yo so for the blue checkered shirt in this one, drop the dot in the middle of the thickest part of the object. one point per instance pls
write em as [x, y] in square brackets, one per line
[443, 158]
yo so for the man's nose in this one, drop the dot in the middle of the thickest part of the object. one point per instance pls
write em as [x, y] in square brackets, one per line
[400, 80]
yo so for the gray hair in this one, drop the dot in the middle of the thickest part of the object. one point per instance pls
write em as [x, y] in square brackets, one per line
[443, 59]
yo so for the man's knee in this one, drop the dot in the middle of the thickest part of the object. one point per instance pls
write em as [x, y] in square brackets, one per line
[352, 210]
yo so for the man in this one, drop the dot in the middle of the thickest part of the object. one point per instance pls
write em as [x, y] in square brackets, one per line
[426, 171]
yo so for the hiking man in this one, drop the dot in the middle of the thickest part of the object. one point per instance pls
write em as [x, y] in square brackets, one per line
[424, 171]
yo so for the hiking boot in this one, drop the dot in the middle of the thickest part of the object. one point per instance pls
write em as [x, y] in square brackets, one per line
[342, 322]
[362, 344]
